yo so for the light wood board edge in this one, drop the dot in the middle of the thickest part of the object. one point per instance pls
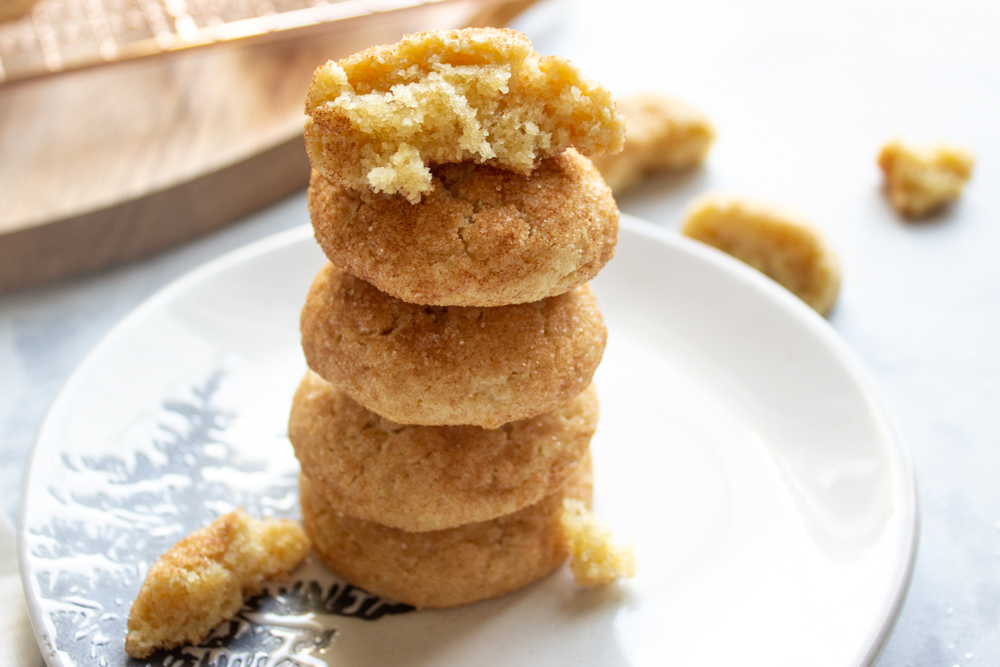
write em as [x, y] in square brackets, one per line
[159, 220]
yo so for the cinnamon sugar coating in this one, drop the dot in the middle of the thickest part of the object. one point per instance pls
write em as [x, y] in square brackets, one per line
[481, 237]
[450, 365]
[444, 568]
[420, 478]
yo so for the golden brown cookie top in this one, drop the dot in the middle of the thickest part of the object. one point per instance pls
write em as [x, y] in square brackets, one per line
[381, 117]
[450, 365]
[445, 568]
[481, 237]
[420, 478]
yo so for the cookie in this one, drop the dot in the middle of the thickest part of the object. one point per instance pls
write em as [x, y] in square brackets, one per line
[380, 118]
[481, 237]
[663, 134]
[201, 580]
[779, 243]
[450, 365]
[444, 568]
[923, 180]
[420, 478]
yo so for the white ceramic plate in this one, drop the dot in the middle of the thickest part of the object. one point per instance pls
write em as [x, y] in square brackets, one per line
[742, 448]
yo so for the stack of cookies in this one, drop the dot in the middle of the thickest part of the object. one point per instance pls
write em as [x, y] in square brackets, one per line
[452, 338]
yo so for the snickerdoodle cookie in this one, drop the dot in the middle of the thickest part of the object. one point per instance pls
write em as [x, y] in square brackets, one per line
[450, 365]
[481, 237]
[420, 478]
[780, 244]
[202, 579]
[444, 568]
[379, 118]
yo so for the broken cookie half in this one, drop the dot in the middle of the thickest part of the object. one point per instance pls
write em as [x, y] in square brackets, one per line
[380, 118]
[202, 580]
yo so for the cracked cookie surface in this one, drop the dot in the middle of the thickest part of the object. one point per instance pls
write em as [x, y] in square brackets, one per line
[450, 365]
[420, 478]
[380, 118]
[444, 568]
[481, 237]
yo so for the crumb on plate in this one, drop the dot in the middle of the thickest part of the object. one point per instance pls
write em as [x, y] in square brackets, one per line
[662, 134]
[201, 580]
[780, 244]
[923, 180]
[595, 558]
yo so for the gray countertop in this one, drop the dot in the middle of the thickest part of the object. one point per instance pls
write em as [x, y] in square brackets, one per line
[803, 95]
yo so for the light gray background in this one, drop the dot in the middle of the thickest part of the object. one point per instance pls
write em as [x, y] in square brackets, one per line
[803, 94]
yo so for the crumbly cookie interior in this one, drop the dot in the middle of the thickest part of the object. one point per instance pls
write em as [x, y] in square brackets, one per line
[923, 180]
[596, 558]
[380, 118]
[779, 243]
[201, 580]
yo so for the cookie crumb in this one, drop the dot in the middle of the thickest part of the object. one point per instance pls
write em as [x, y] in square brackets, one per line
[780, 244]
[923, 180]
[596, 559]
[662, 134]
[201, 580]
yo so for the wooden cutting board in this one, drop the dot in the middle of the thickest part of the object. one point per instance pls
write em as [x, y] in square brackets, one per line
[113, 163]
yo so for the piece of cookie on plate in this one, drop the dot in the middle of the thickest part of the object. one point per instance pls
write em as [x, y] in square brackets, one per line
[202, 580]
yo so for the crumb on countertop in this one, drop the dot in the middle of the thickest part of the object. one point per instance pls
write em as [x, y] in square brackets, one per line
[596, 559]
[201, 580]
[923, 180]
[662, 134]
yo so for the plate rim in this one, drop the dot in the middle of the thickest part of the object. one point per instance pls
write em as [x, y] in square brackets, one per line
[819, 326]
